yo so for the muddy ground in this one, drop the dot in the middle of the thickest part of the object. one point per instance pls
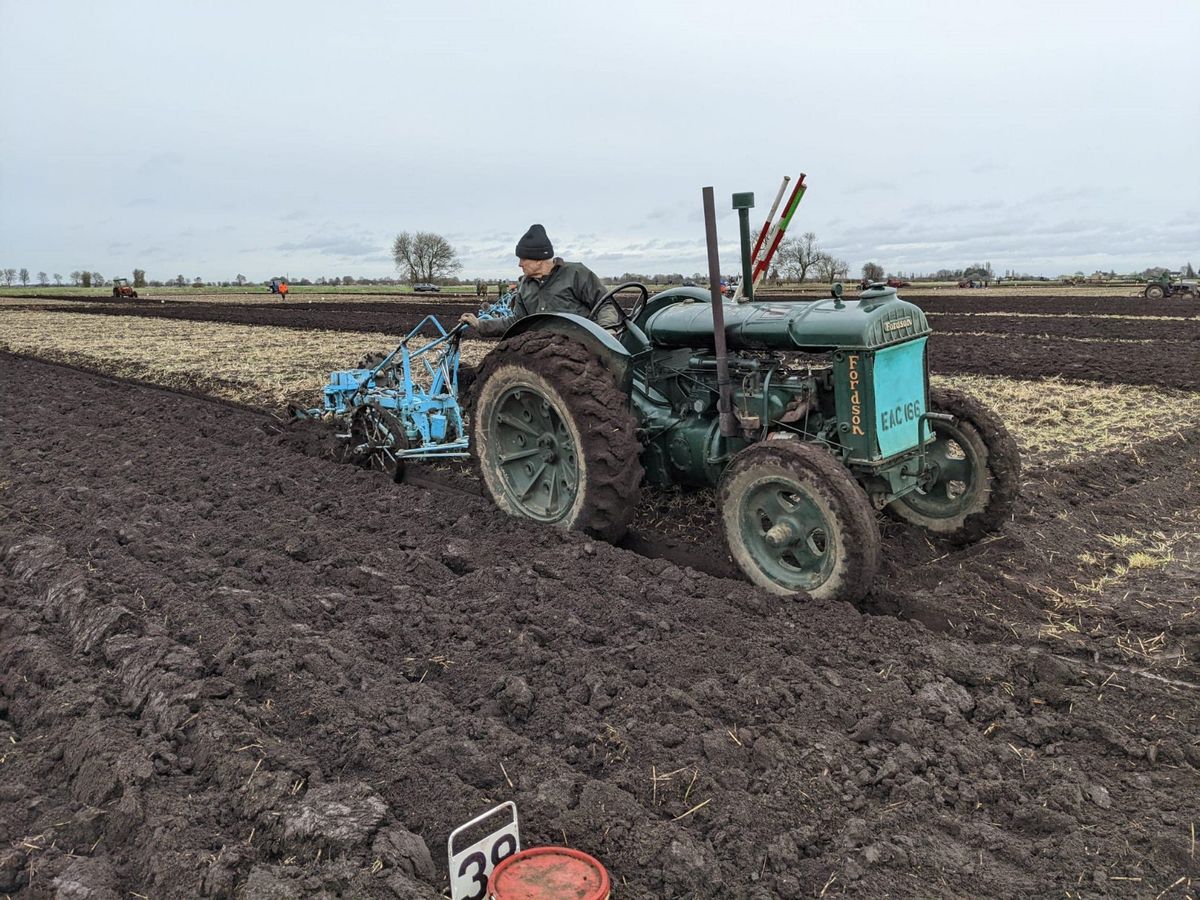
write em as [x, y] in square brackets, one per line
[1173, 364]
[1104, 327]
[231, 667]
[1092, 305]
[383, 316]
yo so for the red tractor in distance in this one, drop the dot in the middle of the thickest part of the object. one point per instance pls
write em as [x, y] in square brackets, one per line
[121, 288]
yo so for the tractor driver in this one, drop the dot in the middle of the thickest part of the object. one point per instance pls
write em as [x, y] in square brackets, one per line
[548, 285]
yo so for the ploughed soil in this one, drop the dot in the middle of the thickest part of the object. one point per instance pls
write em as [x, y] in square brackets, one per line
[383, 316]
[1116, 304]
[1174, 364]
[230, 667]
[1102, 327]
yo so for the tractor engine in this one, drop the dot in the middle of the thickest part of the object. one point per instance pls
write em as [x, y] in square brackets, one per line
[851, 376]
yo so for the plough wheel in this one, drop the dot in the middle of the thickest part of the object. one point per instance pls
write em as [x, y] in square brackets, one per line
[376, 439]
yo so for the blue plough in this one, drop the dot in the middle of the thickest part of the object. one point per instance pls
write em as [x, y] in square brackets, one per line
[385, 416]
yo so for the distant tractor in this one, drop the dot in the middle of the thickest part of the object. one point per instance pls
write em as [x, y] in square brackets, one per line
[1166, 285]
[122, 288]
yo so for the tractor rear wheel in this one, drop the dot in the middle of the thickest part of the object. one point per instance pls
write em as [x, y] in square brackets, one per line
[1155, 292]
[976, 472]
[554, 436]
[796, 520]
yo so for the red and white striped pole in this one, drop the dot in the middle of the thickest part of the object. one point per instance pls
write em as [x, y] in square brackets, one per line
[760, 267]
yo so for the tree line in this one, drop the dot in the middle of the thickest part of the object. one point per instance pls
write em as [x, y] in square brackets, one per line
[425, 256]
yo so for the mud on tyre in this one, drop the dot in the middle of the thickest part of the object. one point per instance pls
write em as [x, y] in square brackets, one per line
[979, 472]
[554, 437]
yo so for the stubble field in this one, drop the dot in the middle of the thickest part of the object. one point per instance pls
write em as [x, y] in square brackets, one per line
[232, 667]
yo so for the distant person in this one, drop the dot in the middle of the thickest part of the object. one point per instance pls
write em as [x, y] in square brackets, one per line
[549, 285]
[283, 289]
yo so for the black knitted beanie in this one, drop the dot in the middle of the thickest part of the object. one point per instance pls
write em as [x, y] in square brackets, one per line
[534, 244]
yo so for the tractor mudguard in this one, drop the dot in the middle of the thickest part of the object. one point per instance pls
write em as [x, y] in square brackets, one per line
[613, 356]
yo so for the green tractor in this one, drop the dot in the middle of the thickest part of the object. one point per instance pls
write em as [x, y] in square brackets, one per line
[807, 418]
[1169, 285]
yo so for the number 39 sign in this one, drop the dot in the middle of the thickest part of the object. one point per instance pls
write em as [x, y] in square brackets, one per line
[471, 865]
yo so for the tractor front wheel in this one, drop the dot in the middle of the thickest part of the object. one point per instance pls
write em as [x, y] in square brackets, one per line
[974, 472]
[1155, 292]
[554, 436]
[796, 520]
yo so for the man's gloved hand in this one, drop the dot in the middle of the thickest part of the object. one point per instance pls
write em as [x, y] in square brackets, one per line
[469, 319]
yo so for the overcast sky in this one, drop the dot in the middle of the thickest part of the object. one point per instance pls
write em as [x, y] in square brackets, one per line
[217, 138]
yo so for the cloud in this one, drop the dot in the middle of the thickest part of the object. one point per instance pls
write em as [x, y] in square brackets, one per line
[334, 245]
[877, 185]
[160, 163]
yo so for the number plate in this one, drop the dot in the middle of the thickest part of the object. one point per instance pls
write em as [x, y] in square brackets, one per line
[471, 865]
[899, 396]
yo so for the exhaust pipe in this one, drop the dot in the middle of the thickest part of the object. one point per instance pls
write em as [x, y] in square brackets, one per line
[728, 424]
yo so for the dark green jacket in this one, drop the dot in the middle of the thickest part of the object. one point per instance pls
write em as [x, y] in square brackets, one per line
[570, 287]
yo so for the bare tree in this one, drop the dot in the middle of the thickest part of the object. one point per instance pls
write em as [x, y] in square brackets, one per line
[97, 279]
[424, 256]
[872, 271]
[139, 278]
[75, 276]
[796, 256]
[241, 280]
[42, 279]
[9, 275]
[830, 268]
[57, 278]
[24, 276]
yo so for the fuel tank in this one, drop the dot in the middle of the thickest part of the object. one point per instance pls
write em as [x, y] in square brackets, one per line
[878, 318]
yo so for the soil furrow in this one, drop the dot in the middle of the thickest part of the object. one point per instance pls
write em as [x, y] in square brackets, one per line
[386, 644]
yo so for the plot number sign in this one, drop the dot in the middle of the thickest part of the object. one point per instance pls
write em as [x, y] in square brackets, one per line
[498, 836]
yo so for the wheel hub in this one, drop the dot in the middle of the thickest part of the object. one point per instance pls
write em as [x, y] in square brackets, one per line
[781, 534]
[534, 454]
[950, 480]
[549, 448]
[787, 533]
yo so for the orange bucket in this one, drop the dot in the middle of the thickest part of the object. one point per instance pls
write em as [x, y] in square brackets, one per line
[549, 873]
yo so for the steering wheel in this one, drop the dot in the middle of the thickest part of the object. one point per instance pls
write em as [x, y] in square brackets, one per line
[610, 297]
